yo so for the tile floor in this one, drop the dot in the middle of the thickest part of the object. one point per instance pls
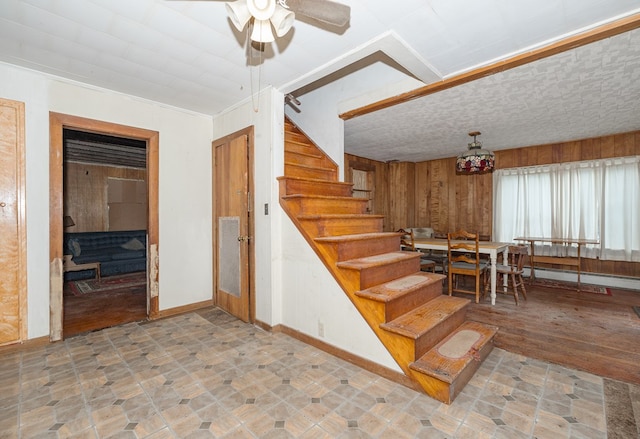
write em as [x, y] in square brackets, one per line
[206, 374]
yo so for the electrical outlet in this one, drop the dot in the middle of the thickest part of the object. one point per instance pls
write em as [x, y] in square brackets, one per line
[320, 329]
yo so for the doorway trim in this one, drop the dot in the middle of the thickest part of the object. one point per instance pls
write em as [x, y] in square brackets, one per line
[58, 122]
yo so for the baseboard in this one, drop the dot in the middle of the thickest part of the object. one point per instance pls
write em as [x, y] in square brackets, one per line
[385, 372]
[182, 309]
[610, 281]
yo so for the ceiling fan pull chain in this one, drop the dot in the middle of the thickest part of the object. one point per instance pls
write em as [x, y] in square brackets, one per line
[255, 101]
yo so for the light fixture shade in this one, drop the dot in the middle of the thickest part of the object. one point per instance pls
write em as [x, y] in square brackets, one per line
[238, 13]
[262, 31]
[261, 9]
[475, 160]
[282, 20]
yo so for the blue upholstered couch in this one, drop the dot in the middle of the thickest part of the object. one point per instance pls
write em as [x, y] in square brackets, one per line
[118, 252]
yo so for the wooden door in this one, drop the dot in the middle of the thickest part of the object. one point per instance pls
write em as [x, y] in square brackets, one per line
[232, 225]
[13, 282]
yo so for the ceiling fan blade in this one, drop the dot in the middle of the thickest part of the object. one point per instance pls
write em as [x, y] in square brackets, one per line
[326, 11]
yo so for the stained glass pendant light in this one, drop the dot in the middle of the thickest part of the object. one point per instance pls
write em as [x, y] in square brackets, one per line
[475, 160]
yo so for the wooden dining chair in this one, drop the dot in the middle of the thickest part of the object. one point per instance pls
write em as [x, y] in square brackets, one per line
[513, 268]
[407, 243]
[437, 256]
[464, 260]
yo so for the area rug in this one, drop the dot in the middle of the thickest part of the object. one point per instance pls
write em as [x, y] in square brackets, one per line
[584, 288]
[134, 281]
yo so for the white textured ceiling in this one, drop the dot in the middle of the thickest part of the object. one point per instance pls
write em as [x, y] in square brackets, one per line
[587, 92]
[187, 54]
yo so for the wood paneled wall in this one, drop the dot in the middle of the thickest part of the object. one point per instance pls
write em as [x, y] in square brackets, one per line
[446, 201]
[85, 193]
[402, 191]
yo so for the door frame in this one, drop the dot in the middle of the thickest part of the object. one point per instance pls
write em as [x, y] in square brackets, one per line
[58, 122]
[249, 132]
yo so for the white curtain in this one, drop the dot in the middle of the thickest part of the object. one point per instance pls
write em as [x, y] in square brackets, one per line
[580, 200]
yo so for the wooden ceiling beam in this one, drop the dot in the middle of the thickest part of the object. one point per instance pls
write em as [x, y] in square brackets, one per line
[600, 33]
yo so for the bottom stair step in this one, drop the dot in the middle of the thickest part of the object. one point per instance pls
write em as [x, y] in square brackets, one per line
[445, 369]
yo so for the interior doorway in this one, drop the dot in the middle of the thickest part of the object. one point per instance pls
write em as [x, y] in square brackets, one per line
[59, 215]
[104, 217]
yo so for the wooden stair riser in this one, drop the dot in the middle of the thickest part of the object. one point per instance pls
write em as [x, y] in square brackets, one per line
[345, 226]
[461, 371]
[307, 160]
[292, 143]
[348, 249]
[407, 302]
[294, 170]
[430, 339]
[386, 312]
[291, 186]
[335, 205]
[371, 276]
[403, 295]
[290, 128]
[430, 323]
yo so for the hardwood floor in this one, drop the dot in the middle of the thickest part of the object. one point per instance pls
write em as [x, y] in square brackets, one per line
[98, 310]
[590, 332]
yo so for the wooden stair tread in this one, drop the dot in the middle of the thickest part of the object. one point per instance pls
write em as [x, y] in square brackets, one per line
[421, 320]
[438, 361]
[399, 287]
[321, 216]
[325, 197]
[312, 167]
[315, 155]
[358, 237]
[315, 180]
[377, 260]
[302, 142]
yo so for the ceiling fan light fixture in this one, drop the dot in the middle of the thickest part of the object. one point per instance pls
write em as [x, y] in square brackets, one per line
[282, 20]
[262, 31]
[261, 9]
[475, 160]
[239, 13]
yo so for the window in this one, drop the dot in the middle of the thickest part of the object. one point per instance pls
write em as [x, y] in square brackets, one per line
[581, 200]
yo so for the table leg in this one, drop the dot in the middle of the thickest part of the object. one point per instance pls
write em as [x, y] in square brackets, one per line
[505, 279]
[493, 256]
[578, 266]
[532, 275]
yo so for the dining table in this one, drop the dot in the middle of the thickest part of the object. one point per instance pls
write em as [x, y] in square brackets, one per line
[490, 248]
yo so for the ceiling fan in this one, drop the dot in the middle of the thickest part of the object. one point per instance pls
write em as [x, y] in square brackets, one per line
[266, 16]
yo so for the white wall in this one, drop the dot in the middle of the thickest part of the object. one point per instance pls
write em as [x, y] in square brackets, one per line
[184, 183]
[311, 298]
[268, 123]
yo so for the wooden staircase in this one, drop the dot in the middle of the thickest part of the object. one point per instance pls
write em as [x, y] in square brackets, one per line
[425, 331]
